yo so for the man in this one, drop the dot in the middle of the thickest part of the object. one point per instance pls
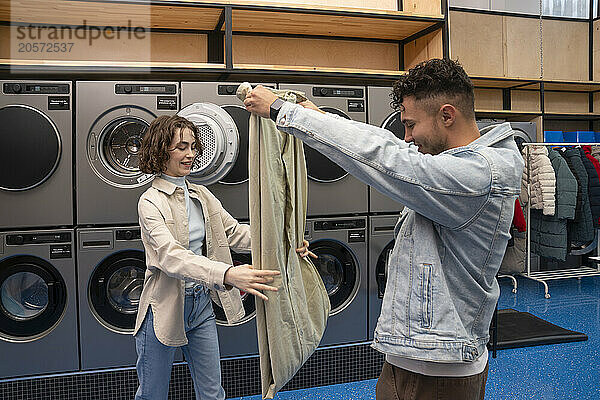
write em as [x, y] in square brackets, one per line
[459, 189]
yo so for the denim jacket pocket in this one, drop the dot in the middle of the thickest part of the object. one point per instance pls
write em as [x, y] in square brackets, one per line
[426, 295]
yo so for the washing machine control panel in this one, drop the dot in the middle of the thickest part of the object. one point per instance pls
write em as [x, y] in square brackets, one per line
[332, 225]
[38, 238]
[35, 88]
[128, 234]
[145, 89]
[338, 92]
[230, 90]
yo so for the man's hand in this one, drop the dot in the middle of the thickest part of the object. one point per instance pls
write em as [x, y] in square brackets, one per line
[249, 280]
[304, 252]
[259, 100]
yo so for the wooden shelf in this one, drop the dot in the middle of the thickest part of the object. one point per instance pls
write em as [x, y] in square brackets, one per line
[572, 86]
[104, 66]
[507, 113]
[318, 70]
[571, 116]
[504, 83]
[387, 26]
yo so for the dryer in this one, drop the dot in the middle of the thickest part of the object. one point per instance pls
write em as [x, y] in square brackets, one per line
[111, 265]
[232, 188]
[38, 311]
[341, 245]
[112, 118]
[240, 338]
[327, 180]
[383, 115]
[524, 131]
[36, 188]
[381, 244]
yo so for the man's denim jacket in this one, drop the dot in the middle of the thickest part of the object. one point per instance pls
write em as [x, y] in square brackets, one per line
[441, 289]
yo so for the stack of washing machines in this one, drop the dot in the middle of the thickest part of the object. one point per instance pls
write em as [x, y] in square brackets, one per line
[71, 259]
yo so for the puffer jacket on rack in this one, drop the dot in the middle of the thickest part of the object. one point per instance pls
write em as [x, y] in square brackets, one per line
[595, 152]
[514, 257]
[549, 232]
[593, 185]
[538, 171]
[588, 154]
[581, 229]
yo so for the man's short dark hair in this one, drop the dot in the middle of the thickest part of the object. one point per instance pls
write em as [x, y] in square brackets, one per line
[154, 151]
[437, 82]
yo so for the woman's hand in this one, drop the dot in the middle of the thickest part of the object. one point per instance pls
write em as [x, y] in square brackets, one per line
[304, 252]
[249, 280]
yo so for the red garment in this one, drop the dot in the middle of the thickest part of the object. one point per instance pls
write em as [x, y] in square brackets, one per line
[588, 153]
[519, 218]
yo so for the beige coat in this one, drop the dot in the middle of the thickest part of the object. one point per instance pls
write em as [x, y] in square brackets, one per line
[165, 234]
[542, 180]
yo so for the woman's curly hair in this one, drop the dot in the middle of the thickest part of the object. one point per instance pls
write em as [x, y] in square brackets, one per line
[154, 151]
[440, 80]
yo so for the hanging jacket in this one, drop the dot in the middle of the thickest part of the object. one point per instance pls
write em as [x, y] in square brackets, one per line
[548, 233]
[519, 218]
[595, 152]
[581, 229]
[291, 324]
[513, 261]
[593, 169]
[542, 182]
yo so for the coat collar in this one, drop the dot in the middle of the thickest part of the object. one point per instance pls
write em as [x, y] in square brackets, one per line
[490, 135]
[168, 188]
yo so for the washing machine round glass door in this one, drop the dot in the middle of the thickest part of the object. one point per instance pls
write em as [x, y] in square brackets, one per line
[339, 271]
[381, 268]
[220, 142]
[30, 147]
[239, 172]
[393, 123]
[114, 289]
[247, 299]
[33, 298]
[113, 146]
[320, 168]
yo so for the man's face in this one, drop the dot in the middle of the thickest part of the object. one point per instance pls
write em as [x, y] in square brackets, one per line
[421, 127]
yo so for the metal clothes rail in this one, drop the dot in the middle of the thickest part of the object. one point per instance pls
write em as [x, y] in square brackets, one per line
[544, 276]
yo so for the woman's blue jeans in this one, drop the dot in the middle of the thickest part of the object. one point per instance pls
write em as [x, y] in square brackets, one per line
[155, 360]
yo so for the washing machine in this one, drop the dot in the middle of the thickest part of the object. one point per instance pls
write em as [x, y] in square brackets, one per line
[383, 115]
[111, 265]
[112, 118]
[381, 244]
[525, 132]
[327, 180]
[35, 154]
[238, 339]
[38, 311]
[341, 247]
[232, 188]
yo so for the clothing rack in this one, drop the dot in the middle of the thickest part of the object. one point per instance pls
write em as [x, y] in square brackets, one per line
[544, 276]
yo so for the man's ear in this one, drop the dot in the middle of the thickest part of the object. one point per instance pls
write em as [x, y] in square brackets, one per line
[448, 114]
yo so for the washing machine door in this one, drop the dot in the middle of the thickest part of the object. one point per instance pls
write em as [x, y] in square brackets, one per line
[113, 146]
[381, 268]
[320, 168]
[220, 142]
[339, 270]
[30, 147]
[247, 299]
[393, 123]
[239, 171]
[33, 298]
[114, 290]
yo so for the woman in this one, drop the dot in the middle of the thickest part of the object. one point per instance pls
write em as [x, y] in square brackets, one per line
[187, 237]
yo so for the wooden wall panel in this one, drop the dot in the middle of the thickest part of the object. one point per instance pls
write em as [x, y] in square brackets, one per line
[428, 7]
[522, 47]
[569, 102]
[167, 47]
[525, 100]
[476, 41]
[597, 103]
[488, 99]
[565, 126]
[425, 48]
[566, 50]
[315, 52]
[387, 5]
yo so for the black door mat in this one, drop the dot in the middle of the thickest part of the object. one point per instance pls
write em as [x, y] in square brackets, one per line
[522, 329]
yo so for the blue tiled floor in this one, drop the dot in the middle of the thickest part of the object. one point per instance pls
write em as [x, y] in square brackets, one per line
[557, 372]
